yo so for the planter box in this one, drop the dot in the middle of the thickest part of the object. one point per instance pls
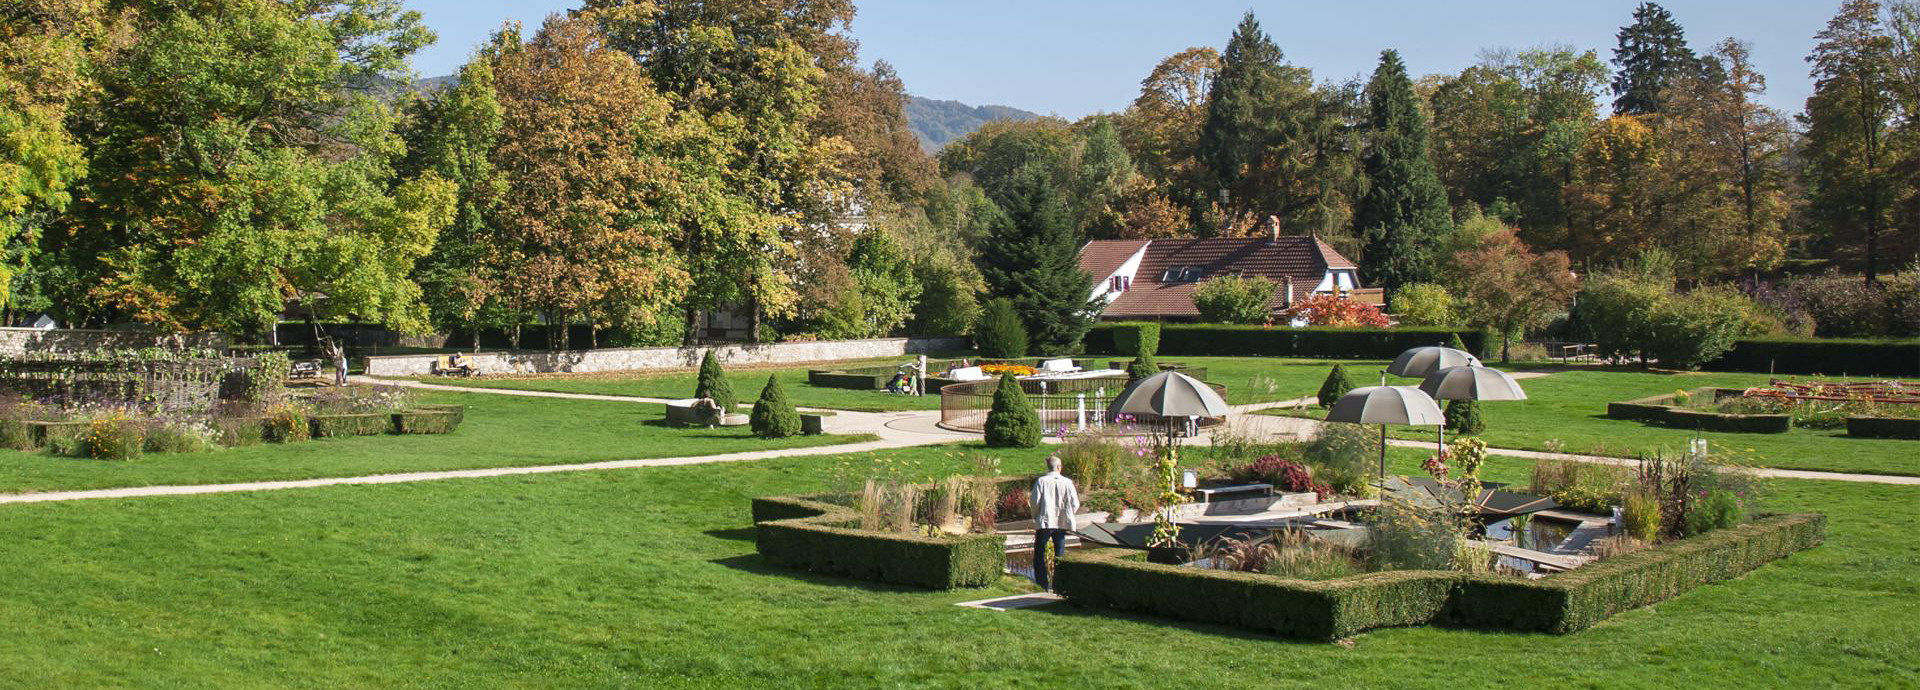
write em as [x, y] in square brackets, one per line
[805, 534]
[812, 424]
[1662, 410]
[1883, 427]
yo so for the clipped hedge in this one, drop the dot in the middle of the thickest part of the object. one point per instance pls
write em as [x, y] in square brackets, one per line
[1130, 339]
[1831, 356]
[459, 412]
[1883, 427]
[1660, 409]
[337, 425]
[425, 422]
[1569, 602]
[1193, 340]
[803, 533]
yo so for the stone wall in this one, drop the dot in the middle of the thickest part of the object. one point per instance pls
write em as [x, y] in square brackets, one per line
[17, 341]
[643, 358]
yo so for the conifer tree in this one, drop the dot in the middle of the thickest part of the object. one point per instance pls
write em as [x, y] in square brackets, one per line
[1335, 386]
[713, 384]
[774, 415]
[1012, 423]
[1651, 58]
[1404, 215]
[1463, 417]
[1142, 367]
[1032, 257]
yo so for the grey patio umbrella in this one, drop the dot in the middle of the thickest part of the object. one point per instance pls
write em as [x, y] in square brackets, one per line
[1168, 394]
[1471, 383]
[1421, 361]
[1385, 405]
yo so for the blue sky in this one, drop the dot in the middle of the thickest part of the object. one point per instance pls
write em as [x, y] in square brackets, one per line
[1075, 57]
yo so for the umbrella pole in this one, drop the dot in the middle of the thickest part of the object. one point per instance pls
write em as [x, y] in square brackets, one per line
[1383, 456]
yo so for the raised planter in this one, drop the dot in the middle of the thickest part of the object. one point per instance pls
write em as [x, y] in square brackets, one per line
[1196, 372]
[807, 534]
[1883, 427]
[425, 422]
[337, 425]
[1663, 410]
[812, 424]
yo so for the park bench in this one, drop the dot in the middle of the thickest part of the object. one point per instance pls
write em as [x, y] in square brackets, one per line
[304, 370]
[444, 366]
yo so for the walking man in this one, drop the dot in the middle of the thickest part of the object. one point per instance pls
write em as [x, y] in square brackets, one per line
[1054, 503]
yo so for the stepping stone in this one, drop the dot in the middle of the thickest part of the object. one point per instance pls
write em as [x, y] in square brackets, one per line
[1017, 601]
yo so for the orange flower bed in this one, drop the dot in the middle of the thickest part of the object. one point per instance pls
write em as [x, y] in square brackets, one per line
[1015, 369]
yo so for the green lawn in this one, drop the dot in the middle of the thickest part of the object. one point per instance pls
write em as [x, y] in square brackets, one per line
[499, 431]
[648, 578]
[1569, 407]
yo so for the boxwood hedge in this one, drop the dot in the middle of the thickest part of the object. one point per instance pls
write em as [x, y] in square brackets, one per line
[1831, 356]
[1883, 427]
[807, 534]
[1193, 340]
[425, 422]
[1660, 409]
[1568, 602]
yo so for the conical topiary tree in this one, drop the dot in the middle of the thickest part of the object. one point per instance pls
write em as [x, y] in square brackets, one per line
[1142, 367]
[1335, 386]
[1453, 341]
[773, 415]
[1463, 417]
[713, 384]
[1012, 423]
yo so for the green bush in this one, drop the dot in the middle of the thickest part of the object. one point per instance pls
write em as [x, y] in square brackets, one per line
[61, 438]
[1200, 340]
[1235, 299]
[1000, 334]
[286, 424]
[1464, 417]
[1012, 423]
[1336, 385]
[1640, 515]
[338, 425]
[177, 438]
[1142, 367]
[1342, 456]
[16, 434]
[1424, 304]
[266, 380]
[235, 432]
[1831, 356]
[1719, 509]
[1136, 338]
[425, 422]
[1092, 461]
[1689, 330]
[713, 384]
[1453, 341]
[810, 535]
[774, 415]
[113, 437]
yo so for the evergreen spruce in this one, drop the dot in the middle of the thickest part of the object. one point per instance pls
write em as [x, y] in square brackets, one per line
[1032, 256]
[1652, 57]
[1141, 367]
[999, 333]
[1012, 423]
[1268, 143]
[1404, 215]
[713, 384]
[1335, 386]
[1463, 417]
[773, 415]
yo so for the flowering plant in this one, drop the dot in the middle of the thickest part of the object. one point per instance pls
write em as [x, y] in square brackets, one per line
[1000, 369]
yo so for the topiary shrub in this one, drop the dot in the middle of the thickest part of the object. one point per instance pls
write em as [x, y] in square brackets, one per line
[713, 384]
[1000, 334]
[1012, 423]
[1464, 417]
[1142, 366]
[1453, 341]
[773, 415]
[1142, 338]
[1335, 386]
[112, 437]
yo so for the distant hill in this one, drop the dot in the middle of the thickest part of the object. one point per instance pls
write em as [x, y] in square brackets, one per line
[939, 122]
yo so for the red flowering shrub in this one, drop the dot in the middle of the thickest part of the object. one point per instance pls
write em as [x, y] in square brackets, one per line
[1329, 310]
[1014, 505]
[1282, 473]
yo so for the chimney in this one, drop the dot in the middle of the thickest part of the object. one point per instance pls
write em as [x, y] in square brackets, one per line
[1273, 229]
[1286, 284]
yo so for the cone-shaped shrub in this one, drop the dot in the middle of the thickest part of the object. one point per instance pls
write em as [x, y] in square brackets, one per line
[1142, 367]
[1463, 417]
[713, 384]
[1012, 423]
[773, 415]
[1335, 386]
[1453, 341]
[1000, 334]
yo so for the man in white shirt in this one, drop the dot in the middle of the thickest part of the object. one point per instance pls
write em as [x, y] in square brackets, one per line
[1054, 502]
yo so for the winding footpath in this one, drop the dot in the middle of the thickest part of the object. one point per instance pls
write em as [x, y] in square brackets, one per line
[893, 430]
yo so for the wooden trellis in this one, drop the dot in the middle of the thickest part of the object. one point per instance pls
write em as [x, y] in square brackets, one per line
[168, 384]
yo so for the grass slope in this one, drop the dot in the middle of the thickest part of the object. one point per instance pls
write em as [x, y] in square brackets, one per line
[499, 431]
[648, 578]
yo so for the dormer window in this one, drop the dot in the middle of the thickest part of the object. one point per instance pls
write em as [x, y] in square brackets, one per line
[1183, 274]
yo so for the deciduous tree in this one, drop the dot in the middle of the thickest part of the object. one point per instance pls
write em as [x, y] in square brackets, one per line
[1511, 288]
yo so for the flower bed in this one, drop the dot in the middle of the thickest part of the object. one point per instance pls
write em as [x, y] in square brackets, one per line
[806, 533]
[1667, 410]
[1122, 579]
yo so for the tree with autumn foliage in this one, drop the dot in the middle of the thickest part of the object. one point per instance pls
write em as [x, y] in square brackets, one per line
[1337, 312]
[1510, 288]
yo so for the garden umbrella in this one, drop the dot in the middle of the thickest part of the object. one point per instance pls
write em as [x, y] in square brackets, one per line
[1420, 361]
[1385, 405]
[1471, 382]
[1168, 394]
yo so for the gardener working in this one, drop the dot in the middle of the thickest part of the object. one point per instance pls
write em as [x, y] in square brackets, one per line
[1054, 503]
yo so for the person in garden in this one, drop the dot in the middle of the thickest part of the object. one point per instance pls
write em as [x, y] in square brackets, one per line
[1054, 502]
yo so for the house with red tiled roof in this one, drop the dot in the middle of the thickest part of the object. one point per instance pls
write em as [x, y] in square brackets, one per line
[1155, 279]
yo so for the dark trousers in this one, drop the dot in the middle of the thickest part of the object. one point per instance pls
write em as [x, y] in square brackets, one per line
[1041, 537]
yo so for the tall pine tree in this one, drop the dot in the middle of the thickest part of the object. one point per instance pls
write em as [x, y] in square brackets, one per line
[1271, 144]
[1652, 56]
[1404, 215]
[1032, 256]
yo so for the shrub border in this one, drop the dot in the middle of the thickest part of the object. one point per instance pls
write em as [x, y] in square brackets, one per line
[1195, 340]
[1830, 356]
[805, 533]
[1570, 602]
[1659, 409]
[1883, 427]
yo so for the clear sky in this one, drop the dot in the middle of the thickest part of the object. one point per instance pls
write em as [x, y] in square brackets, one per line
[1075, 57]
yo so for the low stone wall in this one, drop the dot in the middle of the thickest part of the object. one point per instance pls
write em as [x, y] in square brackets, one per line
[643, 358]
[19, 341]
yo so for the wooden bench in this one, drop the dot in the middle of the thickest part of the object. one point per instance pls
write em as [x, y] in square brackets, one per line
[443, 366]
[304, 370]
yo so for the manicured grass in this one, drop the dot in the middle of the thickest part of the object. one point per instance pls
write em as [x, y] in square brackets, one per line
[1569, 407]
[499, 431]
[648, 578]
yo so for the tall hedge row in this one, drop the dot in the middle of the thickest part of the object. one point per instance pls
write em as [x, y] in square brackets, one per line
[1569, 602]
[1195, 340]
[1826, 356]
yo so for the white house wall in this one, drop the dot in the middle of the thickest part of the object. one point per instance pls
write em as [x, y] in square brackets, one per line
[1103, 290]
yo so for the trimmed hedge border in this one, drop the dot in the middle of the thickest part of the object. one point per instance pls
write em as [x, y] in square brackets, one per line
[1659, 409]
[425, 422]
[337, 425]
[1193, 340]
[1569, 602]
[1883, 427]
[1830, 356]
[806, 534]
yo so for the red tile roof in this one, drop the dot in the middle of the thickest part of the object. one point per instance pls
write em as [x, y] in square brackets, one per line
[1305, 259]
[1100, 258]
